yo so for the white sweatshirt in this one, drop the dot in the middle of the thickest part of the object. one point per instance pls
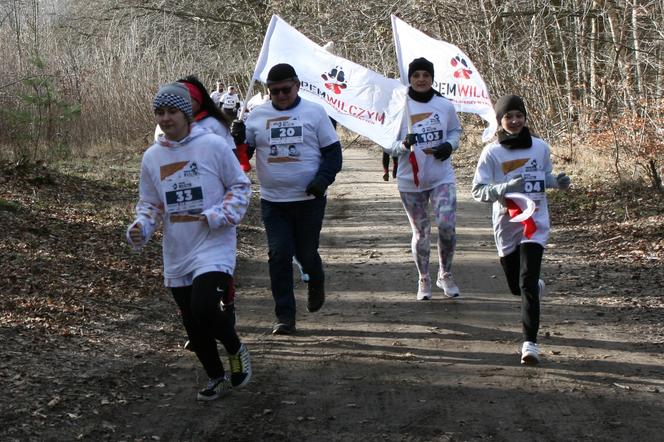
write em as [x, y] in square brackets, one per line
[180, 181]
[496, 166]
[288, 144]
[435, 123]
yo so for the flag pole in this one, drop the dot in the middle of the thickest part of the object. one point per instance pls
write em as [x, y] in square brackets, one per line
[260, 62]
[250, 91]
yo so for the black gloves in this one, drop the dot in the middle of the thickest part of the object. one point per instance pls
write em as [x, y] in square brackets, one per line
[410, 140]
[443, 151]
[317, 187]
[238, 130]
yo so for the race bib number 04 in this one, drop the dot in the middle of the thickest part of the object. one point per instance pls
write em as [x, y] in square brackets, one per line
[534, 184]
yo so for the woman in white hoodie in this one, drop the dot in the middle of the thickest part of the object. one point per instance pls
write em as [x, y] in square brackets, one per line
[192, 184]
[425, 175]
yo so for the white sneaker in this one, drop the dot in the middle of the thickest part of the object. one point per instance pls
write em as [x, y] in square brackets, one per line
[446, 282]
[303, 276]
[424, 289]
[542, 289]
[529, 353]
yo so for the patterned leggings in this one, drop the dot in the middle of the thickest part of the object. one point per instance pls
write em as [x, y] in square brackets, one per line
[443, 201]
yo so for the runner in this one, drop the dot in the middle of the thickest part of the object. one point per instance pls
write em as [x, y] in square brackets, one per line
[435, 136]
[192, 184]
[230, 103]
[519, 162]
[386, 166]
[298, 155]
[217, 93]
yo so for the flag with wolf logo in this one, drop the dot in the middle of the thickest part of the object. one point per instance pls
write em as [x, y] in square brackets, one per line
[358, 98]
[455, 76]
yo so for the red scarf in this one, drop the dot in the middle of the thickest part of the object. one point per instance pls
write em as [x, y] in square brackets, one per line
[529, 226]
[413, 162]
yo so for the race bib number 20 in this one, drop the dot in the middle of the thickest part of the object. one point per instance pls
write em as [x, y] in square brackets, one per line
[286, 132]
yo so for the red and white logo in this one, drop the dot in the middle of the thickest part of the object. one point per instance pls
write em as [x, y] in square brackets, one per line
[335, 80]
[461, 65]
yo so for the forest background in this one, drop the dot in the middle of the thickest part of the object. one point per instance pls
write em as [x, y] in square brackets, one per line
[91, 345]
[78, 76]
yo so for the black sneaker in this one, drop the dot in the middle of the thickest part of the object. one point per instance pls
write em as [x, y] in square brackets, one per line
[284, 328]
[215, 389]
[240, 367]
[316, 297]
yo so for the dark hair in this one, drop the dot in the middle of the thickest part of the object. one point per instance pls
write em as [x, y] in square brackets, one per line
[207, 104]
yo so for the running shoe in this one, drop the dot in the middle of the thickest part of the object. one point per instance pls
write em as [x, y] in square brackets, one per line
[529, 353]
[424, 289]
[303, 276]
[215, 389]
[542, 289]
[449, 286]
[240, 367]
[316, 296]
[284, 328]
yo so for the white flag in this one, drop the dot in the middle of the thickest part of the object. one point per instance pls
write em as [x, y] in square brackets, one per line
[358, 98]
[456, 78]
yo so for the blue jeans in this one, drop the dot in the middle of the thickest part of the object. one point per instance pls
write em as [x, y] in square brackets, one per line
[293, 229]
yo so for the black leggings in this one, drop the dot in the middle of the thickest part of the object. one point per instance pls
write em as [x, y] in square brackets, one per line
[522, 270]
[205, 322]
[386, 163]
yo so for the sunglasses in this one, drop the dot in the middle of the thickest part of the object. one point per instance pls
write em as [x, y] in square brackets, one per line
[283, 90]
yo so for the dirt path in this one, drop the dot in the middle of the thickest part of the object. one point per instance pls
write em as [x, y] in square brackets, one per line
[374, 363]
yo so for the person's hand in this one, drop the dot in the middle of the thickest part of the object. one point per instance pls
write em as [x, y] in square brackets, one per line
[136, 234]
[202, 218]
[515, 185]
[563, 181]
[410, 140]
[238, 131]
[443, 151]
[316, 188]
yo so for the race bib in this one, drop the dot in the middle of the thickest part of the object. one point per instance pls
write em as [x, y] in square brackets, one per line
[286, 132]
[534, 184]
[183, 191]
[430, 132]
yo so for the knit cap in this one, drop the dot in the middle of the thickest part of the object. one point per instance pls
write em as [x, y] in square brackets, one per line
[420, 64]
[173, 95]
[281, 72]
[508, 103]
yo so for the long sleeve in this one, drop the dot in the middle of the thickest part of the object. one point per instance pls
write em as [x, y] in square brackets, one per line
[488, 193]
[484, 187]
[331, 162]
[149, 209]
[237, 197]
[454, 137]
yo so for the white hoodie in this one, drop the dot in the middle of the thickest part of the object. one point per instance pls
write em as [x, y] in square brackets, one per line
[180, 181]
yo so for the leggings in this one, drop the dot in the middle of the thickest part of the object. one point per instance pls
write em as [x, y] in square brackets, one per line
[443, 202]
[522, 270]
[204, 321]
[386, 163]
